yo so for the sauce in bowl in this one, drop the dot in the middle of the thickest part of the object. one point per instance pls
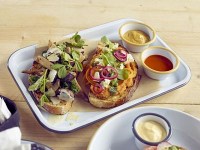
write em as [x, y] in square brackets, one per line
[136, 36]
[158, 63]
[151, 131]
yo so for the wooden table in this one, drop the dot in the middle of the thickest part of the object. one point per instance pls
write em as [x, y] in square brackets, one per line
[26, 22]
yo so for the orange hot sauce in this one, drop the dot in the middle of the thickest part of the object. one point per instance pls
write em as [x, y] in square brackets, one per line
[158, 63]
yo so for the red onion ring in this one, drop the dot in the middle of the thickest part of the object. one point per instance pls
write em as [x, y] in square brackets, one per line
[105, 73]
[92, 72]
[121, 55]
[97, 88]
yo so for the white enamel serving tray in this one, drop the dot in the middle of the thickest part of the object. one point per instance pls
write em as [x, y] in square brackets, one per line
[82, 113]
[116, 133]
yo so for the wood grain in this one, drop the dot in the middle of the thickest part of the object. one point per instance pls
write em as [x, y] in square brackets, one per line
[26, 22]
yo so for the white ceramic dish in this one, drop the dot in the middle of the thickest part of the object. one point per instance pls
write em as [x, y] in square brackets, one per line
[140, 141]
[86, 114]
[133, 47]
[155, 50]
[116, 133]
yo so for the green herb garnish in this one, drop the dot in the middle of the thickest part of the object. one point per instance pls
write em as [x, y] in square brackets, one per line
[113, 90]
[38, 84]
[122, 74]
[76, 41]
[78, 66]
[43, 99]
[74, 87]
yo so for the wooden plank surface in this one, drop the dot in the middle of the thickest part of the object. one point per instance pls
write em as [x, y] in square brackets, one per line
[26, 22]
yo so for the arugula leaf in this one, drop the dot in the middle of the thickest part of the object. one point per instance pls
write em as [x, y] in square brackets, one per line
[108, 58]
[76, 41]
[114, 82]
[105, 40]
[43, 99]
[62, 46]
[43, 86]
[123, 74]
[105, 59]
[62, 72]
[39, 83]
[78, 66]
[56, 66]
[108, 43]
[75, 55]
[36, 85]
[32, 78]
[74, 87]
[66, 57]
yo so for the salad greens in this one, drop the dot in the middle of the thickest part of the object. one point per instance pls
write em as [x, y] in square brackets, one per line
[65, 60]
[76, 41]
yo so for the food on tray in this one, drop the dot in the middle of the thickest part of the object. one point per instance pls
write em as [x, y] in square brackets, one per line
[158, 63]
[111, 75]
[52, 77]
[151, 131]
[136, 36]
[164, 146]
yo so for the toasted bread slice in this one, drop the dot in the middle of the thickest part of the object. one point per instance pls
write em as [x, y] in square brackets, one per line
[106, 99]
[58, 109]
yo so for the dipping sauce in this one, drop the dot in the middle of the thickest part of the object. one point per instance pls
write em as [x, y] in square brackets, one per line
[136, 36]
[158, 63]
[151, 131]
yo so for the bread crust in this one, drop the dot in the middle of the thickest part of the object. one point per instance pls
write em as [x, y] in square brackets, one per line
[57, 109]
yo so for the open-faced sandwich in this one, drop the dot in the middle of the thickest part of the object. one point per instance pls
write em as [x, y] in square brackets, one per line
[52, 77]
[164, 146]
[111, 76]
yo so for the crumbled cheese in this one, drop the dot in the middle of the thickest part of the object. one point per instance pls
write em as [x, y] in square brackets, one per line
[105, 83]
[54, 50]
[129, 59]
[99, 61]
[52, 75]
[121, 66]
[115, 46]
[106, 49]
[96, 75]
[55, 100]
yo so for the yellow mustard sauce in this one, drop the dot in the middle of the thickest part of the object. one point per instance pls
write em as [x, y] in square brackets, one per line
[136, 36]
[151, 131]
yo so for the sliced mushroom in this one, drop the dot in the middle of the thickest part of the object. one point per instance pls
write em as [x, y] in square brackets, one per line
[52, 75]
[56, 85]
[53, 58]
[51, 92]
[55, 100]
[68, 50]
[66, 94]
[37, 69]
[54, 50]
[44, 62]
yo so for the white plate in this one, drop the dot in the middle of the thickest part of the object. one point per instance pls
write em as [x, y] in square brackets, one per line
[41, 146]
[116, 133]
[87, 114]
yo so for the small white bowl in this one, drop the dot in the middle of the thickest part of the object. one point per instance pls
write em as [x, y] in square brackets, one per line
[142, 143]
[134, 47]
[157, 50]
